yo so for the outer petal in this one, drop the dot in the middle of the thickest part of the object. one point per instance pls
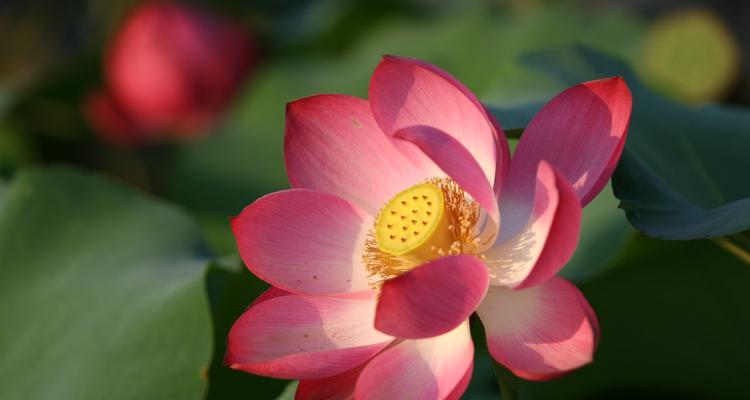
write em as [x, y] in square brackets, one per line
[462, 385]
[427, 369]
[304, 337]
[591, 315]
[433, 298]
[539, 332]
[304, 242]
[581, 132]
[339, 387]
[342, 386]
[458, 163]
[270, 293]
[406, 92]
[333, 145]
[539, 234]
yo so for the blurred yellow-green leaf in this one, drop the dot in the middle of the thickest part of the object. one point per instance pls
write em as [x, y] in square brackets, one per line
[690, 55]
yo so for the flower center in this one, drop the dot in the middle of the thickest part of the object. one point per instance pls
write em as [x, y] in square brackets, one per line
[414, 224]
[424, 222]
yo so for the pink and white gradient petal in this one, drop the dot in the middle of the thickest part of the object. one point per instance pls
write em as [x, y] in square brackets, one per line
[540, 332]
[332, 144]
[406, 92]
[540, 231]
[432, 299]
[581, 132]
[459, 164]
[434, 368]
[462, 385]
[304, 241]
[304, 337]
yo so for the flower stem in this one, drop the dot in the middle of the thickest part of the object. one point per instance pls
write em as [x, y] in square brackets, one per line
[737, 244]
[506, 381]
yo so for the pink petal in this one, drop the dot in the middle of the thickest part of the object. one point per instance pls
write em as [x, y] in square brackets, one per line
[433, 298]
[428, 369]
[342, 386]
[462, 385]
[456, 161]
[540, 332]
[540, 231]
[333, 145]
[406, 92]
[591, 316]
[339, 387]
[304, 337]
[270, 293]
[581, 132]
[304, 242]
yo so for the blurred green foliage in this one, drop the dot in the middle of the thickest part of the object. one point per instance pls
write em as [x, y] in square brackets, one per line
[101, 292]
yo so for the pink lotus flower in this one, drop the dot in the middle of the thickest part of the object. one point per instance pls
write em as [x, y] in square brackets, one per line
[170, 71]
[407, 215]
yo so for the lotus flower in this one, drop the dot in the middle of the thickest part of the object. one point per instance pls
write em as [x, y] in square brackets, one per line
[407, 214]
[170, 71]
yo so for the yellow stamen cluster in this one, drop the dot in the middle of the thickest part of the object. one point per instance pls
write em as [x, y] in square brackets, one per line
[420, 224]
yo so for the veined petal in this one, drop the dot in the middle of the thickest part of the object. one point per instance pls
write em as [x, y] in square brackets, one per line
[304, 337]
[333, 145]
[434, 368]
[459, 164]
[540, 332]
[540, 231]
[406, 92]
[304, 241]
[432, 299]
[581, 132]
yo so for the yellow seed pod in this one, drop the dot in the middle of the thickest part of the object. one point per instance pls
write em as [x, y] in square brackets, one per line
[414, 224]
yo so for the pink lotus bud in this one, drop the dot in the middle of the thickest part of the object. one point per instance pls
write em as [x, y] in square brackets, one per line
[170, 71]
